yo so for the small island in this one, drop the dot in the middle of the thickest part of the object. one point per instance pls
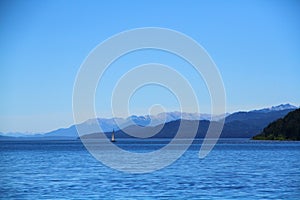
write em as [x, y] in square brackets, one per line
[287, 128]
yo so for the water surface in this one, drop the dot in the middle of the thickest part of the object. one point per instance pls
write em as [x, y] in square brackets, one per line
[235, 169]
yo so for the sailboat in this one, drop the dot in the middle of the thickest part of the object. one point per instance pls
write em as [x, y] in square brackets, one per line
[113, 136]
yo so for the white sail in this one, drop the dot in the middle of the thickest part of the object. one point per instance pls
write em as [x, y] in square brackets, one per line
[113, 136]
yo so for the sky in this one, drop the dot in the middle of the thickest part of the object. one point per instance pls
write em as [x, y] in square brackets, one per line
[255, 45]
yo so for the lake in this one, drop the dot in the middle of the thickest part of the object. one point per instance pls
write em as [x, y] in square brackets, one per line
[235, 169]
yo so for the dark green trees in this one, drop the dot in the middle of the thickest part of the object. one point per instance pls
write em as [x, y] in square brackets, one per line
[287, 128]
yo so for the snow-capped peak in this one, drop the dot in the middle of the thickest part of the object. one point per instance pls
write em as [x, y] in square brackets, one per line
[278, 108]
[283, 107]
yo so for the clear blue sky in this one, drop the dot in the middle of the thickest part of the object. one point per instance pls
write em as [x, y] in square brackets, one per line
[255, 45]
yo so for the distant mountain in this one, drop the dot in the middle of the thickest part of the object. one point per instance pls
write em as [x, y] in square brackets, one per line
[277, 108]
[63, 132]
[14, 134]
[248, 124]
[167, 130]
[287, 128]
[107, 125]
[172, 116]
[260, 119]
[239, 124]
[234, 129]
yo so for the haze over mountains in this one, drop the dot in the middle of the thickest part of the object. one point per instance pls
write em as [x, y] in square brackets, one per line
[237, 125]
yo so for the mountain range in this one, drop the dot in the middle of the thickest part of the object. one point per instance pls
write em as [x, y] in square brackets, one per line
[237, 125]
[107, 125]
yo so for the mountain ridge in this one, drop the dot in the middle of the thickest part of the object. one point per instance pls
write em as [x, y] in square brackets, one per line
[252, 121]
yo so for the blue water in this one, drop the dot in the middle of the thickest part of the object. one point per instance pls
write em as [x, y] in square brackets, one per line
[235, 169]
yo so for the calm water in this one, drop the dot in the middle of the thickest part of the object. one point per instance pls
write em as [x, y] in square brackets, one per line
[235, 169]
